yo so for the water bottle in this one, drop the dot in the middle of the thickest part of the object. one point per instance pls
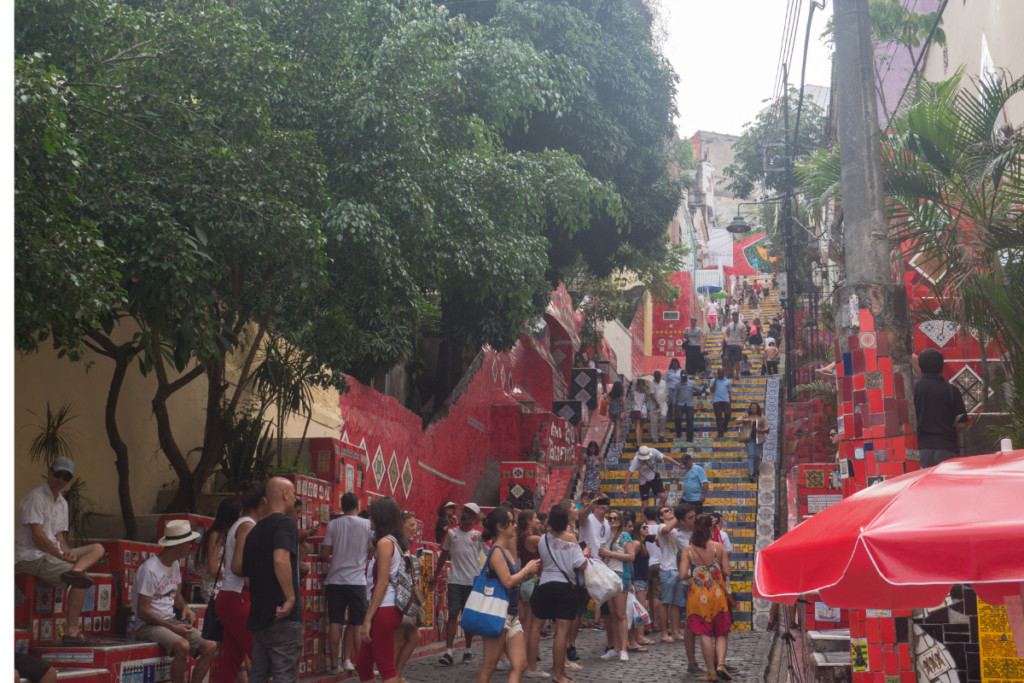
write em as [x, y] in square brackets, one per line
[130, 630]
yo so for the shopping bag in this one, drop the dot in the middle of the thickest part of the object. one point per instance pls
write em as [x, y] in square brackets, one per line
[636, 615]
[487, 606]
[602, 582]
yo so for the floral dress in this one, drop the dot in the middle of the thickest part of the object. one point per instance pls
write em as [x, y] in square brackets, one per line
[592, 480]
[707, 606]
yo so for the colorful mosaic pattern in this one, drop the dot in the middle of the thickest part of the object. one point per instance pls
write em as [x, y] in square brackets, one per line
[756, 254]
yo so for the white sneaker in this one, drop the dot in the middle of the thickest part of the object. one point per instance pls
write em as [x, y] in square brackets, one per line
[504, 665]
[610, 655]
[347, 665]
[623, 657]
[537, 674]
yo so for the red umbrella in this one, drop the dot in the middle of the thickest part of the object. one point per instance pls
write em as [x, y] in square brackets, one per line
[902, 543]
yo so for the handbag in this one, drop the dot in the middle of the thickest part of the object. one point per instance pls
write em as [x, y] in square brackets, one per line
[487, 606]
[213, 627]
[602, 582]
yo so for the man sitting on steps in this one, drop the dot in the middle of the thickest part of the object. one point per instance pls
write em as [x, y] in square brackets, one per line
[40, 549]
[154, 596]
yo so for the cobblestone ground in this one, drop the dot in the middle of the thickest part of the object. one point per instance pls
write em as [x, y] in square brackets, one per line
[748, 651]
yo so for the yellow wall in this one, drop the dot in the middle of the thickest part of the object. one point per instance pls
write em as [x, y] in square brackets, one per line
[43, 376]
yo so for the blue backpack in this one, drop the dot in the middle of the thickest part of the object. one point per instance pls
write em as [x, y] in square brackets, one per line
[487, 606]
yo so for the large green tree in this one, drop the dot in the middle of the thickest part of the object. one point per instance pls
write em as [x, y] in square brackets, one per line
[329, 170]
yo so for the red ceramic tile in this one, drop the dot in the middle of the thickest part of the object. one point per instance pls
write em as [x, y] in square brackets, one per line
[891, 663]
[898, 385]
[875, 400]
[906, 663]
[875, 662]
[858, 362]
[882, 345]
[903, 411]
[860, 397]
[886, 626]
[884, 364]
[869, 360]
[867, 321]
[859, 381]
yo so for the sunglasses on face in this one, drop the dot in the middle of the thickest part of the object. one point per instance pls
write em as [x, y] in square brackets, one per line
[66, 476]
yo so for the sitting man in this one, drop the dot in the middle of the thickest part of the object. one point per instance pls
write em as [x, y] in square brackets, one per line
[40, 549]
[155, 595]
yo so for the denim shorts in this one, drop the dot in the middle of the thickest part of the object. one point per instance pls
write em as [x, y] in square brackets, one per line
[625, 583]
[673, 590]
[639, 585]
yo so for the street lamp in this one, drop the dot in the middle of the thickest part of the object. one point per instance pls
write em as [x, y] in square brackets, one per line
[739, 225]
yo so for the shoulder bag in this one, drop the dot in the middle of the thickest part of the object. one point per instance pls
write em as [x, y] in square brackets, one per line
[487, 606]
[213, 627]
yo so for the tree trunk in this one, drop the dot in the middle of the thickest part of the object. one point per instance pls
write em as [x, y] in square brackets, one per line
[114, 434]
[187, 497]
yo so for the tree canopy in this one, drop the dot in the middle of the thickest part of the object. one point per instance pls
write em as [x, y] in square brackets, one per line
[337, 173]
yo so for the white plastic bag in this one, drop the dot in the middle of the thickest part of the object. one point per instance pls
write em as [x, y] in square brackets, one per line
[602, 582]
[636, 615]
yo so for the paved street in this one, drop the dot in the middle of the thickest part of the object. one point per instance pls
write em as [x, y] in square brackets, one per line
[665, 662]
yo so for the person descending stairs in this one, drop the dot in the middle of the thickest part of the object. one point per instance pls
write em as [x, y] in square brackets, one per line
[724, 460]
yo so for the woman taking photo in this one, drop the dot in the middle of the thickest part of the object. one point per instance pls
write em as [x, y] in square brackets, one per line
[753, 433]
[232, 601]
[617, 552]
[595, 465]
[706, 565]
[528, 530]
[500, 530]
[407, 637]
[384, 619]
[641, 562]
[582, 596]
[555, 594]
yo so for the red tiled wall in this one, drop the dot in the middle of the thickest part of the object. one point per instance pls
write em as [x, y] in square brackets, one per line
[636, 328]
[669, 333]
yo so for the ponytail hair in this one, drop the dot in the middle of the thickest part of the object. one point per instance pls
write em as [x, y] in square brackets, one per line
[499, 516]
[702, 531]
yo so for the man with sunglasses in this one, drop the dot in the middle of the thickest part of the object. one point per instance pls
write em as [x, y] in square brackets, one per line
[40, 549]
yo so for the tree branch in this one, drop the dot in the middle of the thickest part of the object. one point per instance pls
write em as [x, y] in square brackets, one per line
[126, 50]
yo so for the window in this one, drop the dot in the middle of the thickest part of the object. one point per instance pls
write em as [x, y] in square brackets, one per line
[670, 315]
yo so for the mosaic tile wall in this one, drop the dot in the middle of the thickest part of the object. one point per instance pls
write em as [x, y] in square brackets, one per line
[668, 333]
[766, 490]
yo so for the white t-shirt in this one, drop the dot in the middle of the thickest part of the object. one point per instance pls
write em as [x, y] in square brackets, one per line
[667, 545]
[562, 554]
[660, 392]
[682, 541]
[349, 538]
[726, 543]
[712, 309]
[646, 469]
[160, 582]
[595, 533]
[370, 577]
[653, 549]
[233, 583]
[464, 551]
[39, 507]
[768, 341]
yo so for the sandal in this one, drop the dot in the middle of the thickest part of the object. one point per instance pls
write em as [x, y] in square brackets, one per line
[572, 666]
[637, 649]
[708, 677]
[722, 674]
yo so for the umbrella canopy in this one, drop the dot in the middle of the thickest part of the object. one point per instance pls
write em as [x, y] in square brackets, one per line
[902, 543]
[719, 295]
[709, 289]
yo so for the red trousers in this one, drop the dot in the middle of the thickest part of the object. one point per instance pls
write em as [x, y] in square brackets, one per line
[381, 648]
[233, 611]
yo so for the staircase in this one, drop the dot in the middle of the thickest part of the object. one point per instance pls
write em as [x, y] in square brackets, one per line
[724, 460]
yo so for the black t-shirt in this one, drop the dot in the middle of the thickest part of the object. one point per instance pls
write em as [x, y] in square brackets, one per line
[938, 404]
[775, 331]
[276, 531]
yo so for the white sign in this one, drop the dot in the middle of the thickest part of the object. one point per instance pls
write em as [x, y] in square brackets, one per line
[817, 503]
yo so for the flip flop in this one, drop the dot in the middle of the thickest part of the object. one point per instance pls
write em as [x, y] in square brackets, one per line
[668, 640]
[638, 649]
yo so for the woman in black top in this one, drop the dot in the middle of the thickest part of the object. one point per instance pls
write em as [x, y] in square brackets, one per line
[641, 562]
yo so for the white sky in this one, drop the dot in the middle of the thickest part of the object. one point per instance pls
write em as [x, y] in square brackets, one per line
[726, 53]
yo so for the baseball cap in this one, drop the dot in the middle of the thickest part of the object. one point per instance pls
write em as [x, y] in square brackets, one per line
[63, 464]
[472, 506]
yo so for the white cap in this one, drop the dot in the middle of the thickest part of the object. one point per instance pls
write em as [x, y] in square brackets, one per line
[472, 506]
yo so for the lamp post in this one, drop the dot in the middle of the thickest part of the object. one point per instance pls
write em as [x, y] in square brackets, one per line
[739, 226]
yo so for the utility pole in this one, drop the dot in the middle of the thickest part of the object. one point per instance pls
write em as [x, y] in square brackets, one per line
[787, 232]
[877, 425]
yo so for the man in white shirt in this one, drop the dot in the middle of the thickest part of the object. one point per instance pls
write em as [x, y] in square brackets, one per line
[645, 464]
[711, 313]
[154, 597]
[41, 551]
[463, 544]
[733, 338]
[595, 530]
[345, 546]
[653, 567]
[657, 405]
